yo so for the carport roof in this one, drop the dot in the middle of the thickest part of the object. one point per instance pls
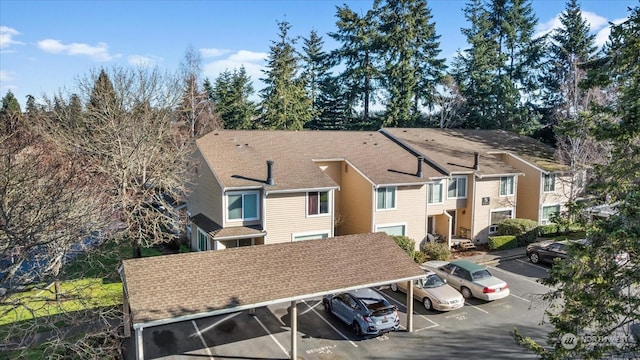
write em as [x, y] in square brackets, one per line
[179, 287]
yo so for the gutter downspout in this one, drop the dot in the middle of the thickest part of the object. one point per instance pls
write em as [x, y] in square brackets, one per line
[373, 208]
[473, 210]
[264, 215]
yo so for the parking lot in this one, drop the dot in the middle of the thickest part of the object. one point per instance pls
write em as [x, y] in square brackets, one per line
[479, 329]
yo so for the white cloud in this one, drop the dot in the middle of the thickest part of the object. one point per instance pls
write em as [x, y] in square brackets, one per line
[99, 52]
[207, 53]
[5, 76]
[144, 60]
[253, 63]
[6, 37]
[602, 36]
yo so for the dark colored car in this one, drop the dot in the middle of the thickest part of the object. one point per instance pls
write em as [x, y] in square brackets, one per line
[365, 310]
[548, 250]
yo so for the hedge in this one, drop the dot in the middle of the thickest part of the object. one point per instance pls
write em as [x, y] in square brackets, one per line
[437, 251]
[516, 226]
[503, 242]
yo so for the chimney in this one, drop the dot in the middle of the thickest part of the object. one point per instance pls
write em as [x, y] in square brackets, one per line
[420, 160]
[476, 165]
[270, 173]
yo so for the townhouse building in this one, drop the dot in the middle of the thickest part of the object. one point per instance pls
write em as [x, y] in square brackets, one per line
[263, 187]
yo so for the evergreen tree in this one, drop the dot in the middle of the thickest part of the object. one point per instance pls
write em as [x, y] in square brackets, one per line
[474, 69]
[230, 94]
[596, 295]
[316, 66]
[10, 113]
[103, 101]
[410, 47]
[285, 103]
[359, 54]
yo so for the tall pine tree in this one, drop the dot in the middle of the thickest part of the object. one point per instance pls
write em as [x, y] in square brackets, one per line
[285, 102]
[230, 94]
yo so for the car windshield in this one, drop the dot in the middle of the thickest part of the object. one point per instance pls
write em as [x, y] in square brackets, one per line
[432, 281]
[481, 274]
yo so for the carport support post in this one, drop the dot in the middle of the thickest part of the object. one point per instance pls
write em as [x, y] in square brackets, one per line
[410, 306]
[139, 344]
[294, 330]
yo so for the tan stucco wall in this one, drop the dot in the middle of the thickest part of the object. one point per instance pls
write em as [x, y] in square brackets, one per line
[355, 212]
[287, 214]
[410, 211]
[529, 189]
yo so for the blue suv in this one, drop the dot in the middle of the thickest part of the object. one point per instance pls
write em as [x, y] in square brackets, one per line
[365, 310]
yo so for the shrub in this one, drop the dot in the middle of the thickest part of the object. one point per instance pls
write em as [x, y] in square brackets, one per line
[419, 257]
[547, 230]
[409, 246]
[516, 226]
[503, 242]
[437, 251]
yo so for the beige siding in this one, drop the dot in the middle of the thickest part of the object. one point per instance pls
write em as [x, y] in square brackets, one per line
[560, 196]
[410, 211]
[206, 197]
[286, 215]
[489, 187]
[334, 170]
[529, 189]
[354, 216]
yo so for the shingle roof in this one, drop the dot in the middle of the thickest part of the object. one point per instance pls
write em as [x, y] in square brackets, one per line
[454, 148]
[172, 286]
[238, 157]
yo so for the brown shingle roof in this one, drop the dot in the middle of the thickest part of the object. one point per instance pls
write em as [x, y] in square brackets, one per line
[218, 232]
[238, 157]
[453, 148]
[172, 286]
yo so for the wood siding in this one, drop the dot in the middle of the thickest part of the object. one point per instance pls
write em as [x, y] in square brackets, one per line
[410, 211]
[286, 214]
[355, 203]
[489, 187]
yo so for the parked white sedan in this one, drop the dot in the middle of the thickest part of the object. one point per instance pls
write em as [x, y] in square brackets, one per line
[433, 292]
[471, 279]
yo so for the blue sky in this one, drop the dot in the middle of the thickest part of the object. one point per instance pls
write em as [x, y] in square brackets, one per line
[46, 45]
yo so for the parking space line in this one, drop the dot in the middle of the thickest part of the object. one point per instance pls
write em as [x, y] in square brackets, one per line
[271, 336]
[328, 323]
[532, 264]
[309, 308]
[415, 313]
[518, 276]
[475, 307]
[518, 297]
[216, 323]
[204, 343]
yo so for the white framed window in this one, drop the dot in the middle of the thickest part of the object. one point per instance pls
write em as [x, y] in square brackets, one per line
[498, 215]
[203, 241]
[317, 203]
[434, 195]
[457, 187]
[549, 181]
[548, 212]
[506, 185]
[314, 235]
[386, 198]
[392, 229]
[243, 205]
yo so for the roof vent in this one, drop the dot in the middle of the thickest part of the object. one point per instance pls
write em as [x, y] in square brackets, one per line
[270, 180]
[420, 160]
[476, 165]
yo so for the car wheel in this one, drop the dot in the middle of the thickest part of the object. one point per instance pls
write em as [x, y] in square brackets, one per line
[327, 307]
[394, 287]
[356, 328]
[427, 303]
[466, 292]
[534, 257]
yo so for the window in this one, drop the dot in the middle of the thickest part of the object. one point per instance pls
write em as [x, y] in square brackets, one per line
[317, 203]
[549, 183]
[506, 185]
[496, 217]
[227, 244]
[392, 229]
[548, 212]
[457, 188]
[314, 236]
[386, 198]
[435, 193]
[203, 241]
[243, 206]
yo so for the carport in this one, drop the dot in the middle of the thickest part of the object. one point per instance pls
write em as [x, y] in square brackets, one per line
[174, 288]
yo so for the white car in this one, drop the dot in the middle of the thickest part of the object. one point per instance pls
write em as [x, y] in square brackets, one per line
[471, 279]
[433, 292]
